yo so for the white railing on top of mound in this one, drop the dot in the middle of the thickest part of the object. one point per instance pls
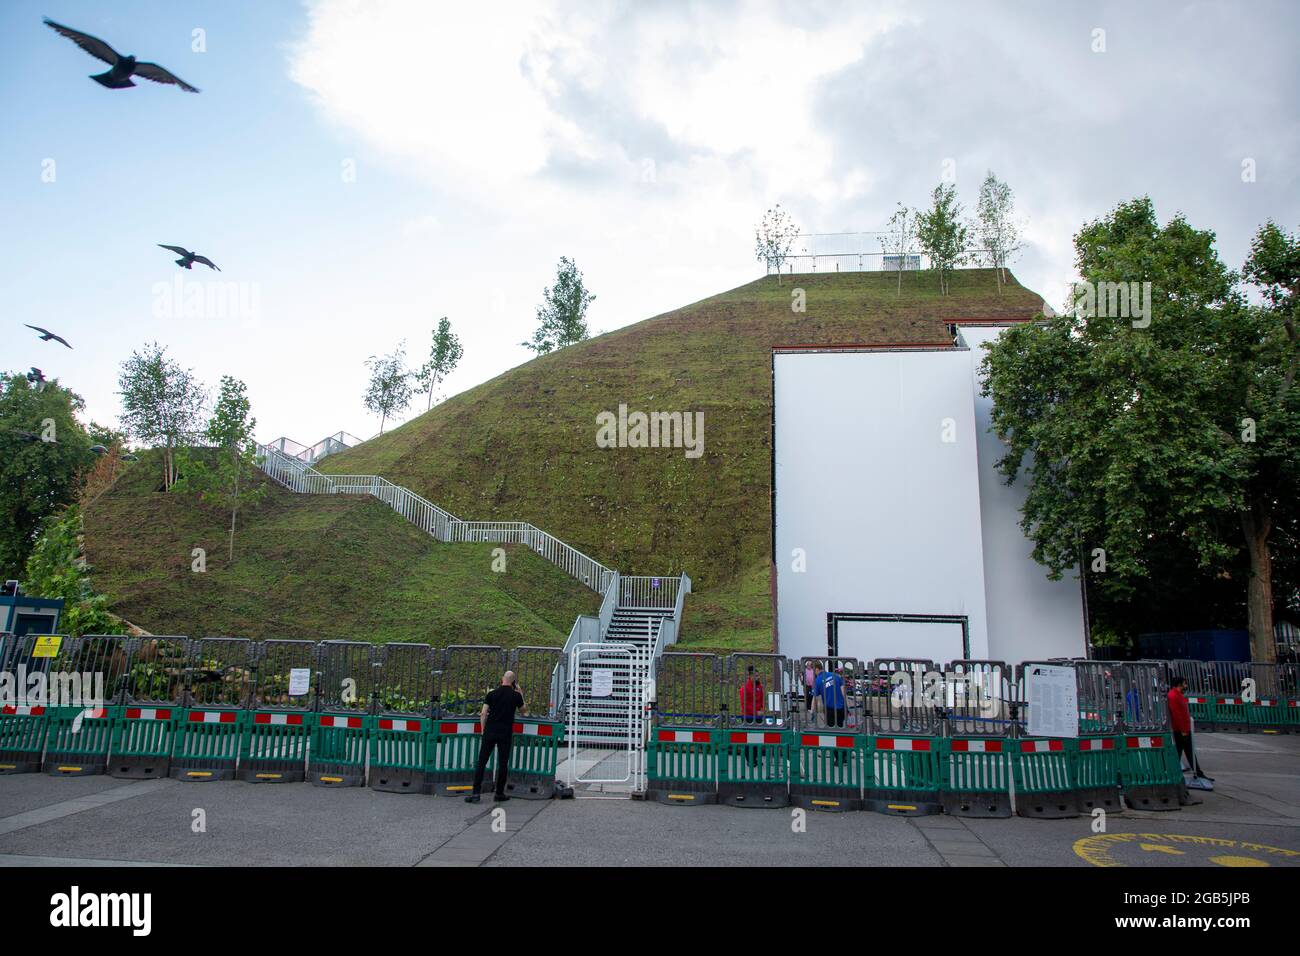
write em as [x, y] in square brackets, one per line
[428, 517]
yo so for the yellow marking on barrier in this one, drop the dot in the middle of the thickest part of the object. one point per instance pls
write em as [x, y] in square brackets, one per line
[8, 766]
[899, 806]
[269, 776]
[466, 787]
[69, 769]
[1099, 850]
[331, 779]
[198, 773]
[681, 796]
[836, 803]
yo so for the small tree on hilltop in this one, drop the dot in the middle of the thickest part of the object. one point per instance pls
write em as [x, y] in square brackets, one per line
[941, 233]
[899, 237]
[162, 404]
[996, 226]
[444, 355]
[774, 238]
[389, 391]
[562, 316]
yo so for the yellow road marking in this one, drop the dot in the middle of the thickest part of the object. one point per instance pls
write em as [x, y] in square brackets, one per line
[1099, 848]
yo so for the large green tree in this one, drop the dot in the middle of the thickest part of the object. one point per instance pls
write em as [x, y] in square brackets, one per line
[44, 452]
[1157, 422]
[942, 234]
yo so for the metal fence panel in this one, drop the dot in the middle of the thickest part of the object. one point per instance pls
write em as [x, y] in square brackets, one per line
[688, 690]
[157, 670]
[347, 679]
[756, 690]
[406, 680]
[536, 671]
[468, 674]
[221, 672]
[276, 663]
[902, 694]
[978, 698]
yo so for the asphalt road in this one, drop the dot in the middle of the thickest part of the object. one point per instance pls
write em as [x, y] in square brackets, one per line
[1252, 819]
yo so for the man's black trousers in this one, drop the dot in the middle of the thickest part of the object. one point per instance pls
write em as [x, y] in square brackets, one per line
[502, 747]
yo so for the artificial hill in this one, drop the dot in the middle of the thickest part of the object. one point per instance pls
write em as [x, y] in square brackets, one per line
[522, 446]
[311, 567]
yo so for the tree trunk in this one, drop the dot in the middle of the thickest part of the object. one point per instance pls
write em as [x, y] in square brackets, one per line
[1256, 523]
[234, 509]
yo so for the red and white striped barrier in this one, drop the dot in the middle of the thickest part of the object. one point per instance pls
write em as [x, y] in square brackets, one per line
[1041, 746]
[399, 723]
[12, 710]
[976, 746]
[1230, 700]
[827, 740]
[148, 713]
[1097, 743]
[535, 730]
[1143, 743]
[683, 736]
[213, 716]
[278, 720]
[745, 737]
[459, 727]
[340, 723]
[903, 743]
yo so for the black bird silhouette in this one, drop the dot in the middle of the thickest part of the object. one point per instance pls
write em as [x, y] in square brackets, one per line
[123, 67]
[187, 258]
[36, 375]
[46, 335]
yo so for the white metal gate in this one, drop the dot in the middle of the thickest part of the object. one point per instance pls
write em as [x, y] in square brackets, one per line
[606, 715]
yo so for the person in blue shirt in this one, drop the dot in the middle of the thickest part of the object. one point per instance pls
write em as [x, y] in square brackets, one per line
[830, 688]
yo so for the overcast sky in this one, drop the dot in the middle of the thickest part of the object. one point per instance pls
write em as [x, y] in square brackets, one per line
[360, 169]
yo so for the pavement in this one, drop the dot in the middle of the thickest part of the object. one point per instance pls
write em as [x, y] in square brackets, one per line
[1251, 819]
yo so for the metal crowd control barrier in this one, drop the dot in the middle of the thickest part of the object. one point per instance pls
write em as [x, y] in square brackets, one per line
[273, 742]
[154, 693]
[1043, 767]
[754, 765]
[218, 686]
[975, 755]
[345, 692]
[906, 719]
[827, 753]
[468, 673]
[86, 680]
[534, 751]
[1150, 773]
[23, 724]
[403, 722]
[685, 739]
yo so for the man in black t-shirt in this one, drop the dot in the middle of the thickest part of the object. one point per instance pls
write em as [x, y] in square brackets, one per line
[498, 721]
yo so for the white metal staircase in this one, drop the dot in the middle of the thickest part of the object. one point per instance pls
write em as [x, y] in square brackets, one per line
[600, 685]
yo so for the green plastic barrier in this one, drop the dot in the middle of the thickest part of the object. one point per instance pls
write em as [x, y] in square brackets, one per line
[399, 754]
[142, 740]
[337, 754]
[1231, 713]
[273, 746]
[77, 740]
[453, 755]
[1267, 715]
[1201, 707]
[1044, 780]
[902, 775]
[22, 738]
[534, 757]
[682, 765]
[1150, 774]
[1096, 774]
[827, 770]
[754, 767]
[975, 775]
[206, 745]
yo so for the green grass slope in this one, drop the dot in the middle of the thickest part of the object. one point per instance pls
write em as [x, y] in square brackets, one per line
[315, 568]
[523, 445]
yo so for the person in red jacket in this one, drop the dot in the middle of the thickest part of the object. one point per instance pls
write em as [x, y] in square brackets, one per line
[1180, 722]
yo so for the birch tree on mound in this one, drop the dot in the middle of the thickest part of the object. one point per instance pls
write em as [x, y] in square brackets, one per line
[941, 233]
[444, 355]
[996, 227]
[162, 404]
[389, 390]
[899, 237]
[562, 316]
[774, 238]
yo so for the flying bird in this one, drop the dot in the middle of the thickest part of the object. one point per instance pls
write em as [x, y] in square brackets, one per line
[46, 335]
[36, 375]
[122, 67]
[187, 258]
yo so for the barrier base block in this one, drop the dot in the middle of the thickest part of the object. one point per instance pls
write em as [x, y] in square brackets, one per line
[326, 775]
[530, 786]
[825, 799]
[682, 793]
[904, 803]
[197, 772]
[138, 767]
[75, 765]
[1165, 796]
[453, 785]
[19, 763]
[976, 804]
[399, 780]
[1105, 798]
[1052, 805]
[754, 794]
[269, 773]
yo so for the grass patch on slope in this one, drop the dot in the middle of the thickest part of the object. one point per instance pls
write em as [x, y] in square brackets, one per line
[313, 567]
[522, 446]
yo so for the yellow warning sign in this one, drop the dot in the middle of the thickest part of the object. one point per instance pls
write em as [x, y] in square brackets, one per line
[1130, 849]
[47, 647]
